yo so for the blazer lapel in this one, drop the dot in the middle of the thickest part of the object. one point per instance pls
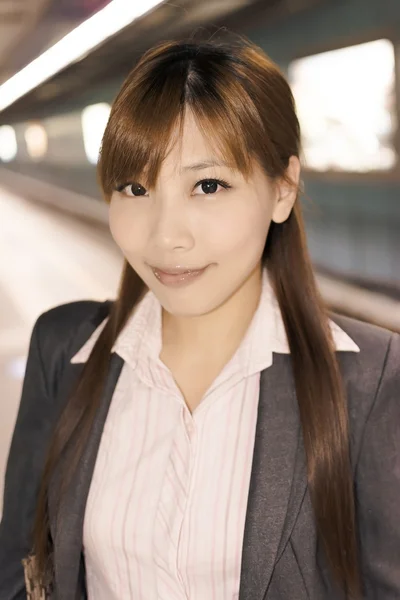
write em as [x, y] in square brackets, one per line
[278, 479]
[68, 524]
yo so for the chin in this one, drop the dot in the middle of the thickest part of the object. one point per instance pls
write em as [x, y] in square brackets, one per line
[190, 305]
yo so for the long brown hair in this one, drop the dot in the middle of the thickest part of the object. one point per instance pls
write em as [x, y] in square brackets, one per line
[242, 101]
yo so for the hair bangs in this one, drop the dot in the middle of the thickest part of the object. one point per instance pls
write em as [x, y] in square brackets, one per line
[230, 103]
[138, 134]
[223, 121]
[148, 115]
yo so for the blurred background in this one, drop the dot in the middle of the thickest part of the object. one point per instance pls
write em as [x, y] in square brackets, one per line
[61, 64]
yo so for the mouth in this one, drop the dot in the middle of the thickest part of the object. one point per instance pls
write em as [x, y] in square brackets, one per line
[177, 276]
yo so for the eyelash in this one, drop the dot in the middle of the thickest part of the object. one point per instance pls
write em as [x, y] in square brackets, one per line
[221, 182]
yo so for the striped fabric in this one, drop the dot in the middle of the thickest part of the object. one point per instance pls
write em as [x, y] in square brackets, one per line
[167, 504]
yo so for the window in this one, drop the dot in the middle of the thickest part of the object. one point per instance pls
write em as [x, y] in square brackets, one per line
[8, 143]
[94, 121]
[346, 105]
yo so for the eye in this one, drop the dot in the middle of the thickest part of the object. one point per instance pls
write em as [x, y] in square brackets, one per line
[133, 190]
[211, 186]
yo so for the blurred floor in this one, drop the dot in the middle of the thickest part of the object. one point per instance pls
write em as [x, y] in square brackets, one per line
[47, 258]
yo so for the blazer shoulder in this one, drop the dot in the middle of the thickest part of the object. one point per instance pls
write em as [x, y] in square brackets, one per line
[371, 339]
[67, 325]
[365, 367]
[71, 315]
[371, 378]
[364, 371]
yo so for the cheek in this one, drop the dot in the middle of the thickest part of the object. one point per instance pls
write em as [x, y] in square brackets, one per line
[125, 227]
[242, 229]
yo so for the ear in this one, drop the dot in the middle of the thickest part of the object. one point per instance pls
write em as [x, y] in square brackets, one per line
[287, 192]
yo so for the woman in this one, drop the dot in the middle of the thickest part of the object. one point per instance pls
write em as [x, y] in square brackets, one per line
[213, 433]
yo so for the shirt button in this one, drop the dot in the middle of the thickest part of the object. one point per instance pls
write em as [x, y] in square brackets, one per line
[189, 424]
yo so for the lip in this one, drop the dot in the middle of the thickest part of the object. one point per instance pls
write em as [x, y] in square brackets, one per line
[178, 276]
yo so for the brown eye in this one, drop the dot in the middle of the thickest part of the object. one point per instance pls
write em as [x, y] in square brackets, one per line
[138, 190]
[133, 189]
[211, 186]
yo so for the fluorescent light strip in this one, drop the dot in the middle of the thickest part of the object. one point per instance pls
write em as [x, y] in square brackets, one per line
[76, 44]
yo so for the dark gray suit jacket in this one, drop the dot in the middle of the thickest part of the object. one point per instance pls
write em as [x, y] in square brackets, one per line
[282, 559]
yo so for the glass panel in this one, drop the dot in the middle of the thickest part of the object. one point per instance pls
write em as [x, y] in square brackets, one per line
[346, 105]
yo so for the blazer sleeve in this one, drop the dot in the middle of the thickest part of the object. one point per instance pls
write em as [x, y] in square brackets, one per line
[378, 486]
[24, 469]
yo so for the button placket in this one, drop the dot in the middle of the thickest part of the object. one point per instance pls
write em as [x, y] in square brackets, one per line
[190, 427]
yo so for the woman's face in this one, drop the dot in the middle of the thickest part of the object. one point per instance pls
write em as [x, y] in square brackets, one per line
[202, 214]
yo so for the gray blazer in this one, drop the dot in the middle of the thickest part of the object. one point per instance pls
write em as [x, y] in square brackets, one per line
[282, 559]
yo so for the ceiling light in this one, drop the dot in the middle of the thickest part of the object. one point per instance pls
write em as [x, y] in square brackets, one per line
[74, 46]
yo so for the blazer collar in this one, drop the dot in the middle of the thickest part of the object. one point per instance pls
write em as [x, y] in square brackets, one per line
[278, 479]
[66, 519]
[277, 486]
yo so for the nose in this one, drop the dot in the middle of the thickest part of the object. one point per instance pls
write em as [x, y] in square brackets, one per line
[171, 228]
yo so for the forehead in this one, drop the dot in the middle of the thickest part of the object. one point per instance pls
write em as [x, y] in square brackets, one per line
[190, 145]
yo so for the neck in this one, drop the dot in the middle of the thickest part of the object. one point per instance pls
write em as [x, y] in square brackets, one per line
[220, 331]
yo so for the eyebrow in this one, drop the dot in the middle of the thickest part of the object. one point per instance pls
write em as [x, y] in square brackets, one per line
[204, 164]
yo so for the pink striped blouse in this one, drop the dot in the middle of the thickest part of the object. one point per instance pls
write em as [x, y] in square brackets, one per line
[166, 510]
